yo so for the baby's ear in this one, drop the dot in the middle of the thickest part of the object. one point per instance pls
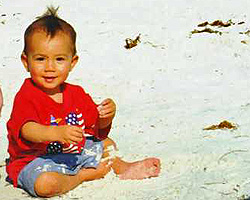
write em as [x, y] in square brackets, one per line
[24, 60]
[74, 62]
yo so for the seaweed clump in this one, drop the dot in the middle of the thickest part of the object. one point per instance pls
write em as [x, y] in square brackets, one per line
[208, 30]
[223, 125]
[132, 43]
[217, 23]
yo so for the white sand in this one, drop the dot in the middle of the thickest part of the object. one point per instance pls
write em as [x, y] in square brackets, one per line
[167, 89]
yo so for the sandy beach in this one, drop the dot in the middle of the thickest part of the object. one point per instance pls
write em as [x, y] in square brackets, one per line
[190, 70]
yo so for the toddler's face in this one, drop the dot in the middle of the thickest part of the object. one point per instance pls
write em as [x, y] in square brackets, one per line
[49, 60]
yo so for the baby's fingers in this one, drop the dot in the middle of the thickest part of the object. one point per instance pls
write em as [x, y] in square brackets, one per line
[106, 101]
[75, 134]
[106, 114]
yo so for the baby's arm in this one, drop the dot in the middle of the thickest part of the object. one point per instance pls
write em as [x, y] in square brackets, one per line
[106, 111]
[37, 133]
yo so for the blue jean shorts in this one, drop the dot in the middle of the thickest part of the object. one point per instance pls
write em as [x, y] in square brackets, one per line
[68, 164]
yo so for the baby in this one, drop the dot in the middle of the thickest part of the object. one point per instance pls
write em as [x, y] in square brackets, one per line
[58, 137]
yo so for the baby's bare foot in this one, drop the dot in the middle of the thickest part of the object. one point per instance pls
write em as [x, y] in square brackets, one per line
[149, 167]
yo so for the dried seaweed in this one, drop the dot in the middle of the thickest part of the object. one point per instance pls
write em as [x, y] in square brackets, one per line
[203, 24]
[246, 32]
[218, 23]
[223, 125]
[241, 23]
[132, 43]
[208, 30]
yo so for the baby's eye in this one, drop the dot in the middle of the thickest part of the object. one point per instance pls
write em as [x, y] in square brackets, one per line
[40, 58]
[60, 59]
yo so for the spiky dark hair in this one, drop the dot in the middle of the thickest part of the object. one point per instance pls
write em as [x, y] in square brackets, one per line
[50, 23]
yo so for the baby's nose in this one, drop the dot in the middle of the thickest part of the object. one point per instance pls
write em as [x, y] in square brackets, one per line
[49, 65]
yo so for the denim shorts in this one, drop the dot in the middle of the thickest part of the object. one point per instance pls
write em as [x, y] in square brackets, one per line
[68, 164]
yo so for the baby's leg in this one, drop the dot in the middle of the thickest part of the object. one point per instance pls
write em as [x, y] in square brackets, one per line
[50, 184]
[149, 167]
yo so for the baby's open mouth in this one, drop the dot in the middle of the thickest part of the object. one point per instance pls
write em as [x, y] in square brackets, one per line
[49, 79]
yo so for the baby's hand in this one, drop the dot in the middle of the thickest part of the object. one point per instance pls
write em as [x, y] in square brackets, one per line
[107, 109]
[70, 134]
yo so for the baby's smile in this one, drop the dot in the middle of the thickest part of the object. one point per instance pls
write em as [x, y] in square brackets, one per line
[49, 79]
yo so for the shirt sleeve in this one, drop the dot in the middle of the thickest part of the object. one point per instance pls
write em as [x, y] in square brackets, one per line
[23, 111]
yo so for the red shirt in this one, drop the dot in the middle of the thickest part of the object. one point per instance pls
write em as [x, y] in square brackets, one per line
[32, 104]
